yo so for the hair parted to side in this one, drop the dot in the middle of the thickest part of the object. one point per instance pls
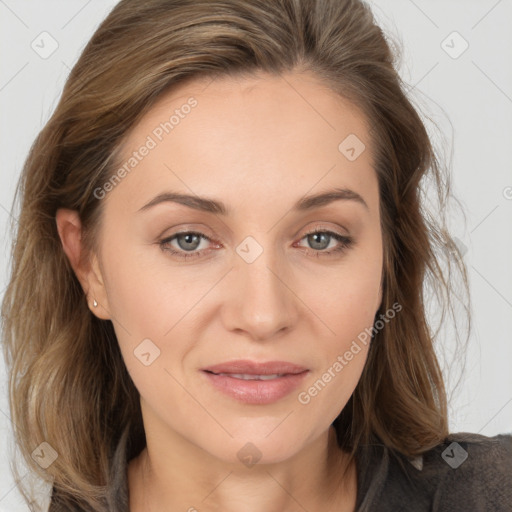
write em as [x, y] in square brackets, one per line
[68, 383]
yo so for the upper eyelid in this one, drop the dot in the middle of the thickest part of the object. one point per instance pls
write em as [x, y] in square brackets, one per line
[314, 229]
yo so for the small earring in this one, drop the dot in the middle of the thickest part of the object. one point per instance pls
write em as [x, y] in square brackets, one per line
[95, 304]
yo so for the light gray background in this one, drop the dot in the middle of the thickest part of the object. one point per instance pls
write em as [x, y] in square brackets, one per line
[469, 97]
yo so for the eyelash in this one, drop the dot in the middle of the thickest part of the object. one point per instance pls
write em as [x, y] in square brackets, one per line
[345, 243]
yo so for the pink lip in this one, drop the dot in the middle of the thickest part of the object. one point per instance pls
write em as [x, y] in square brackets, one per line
[256, 391]
[254, 368]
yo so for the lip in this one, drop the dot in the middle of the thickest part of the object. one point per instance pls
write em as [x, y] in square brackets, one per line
[255, 368]
[256, 392]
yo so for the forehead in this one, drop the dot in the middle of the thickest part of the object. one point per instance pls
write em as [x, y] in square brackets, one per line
[257, 134]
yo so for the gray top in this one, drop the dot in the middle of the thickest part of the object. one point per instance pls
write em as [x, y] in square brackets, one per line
[467, 473]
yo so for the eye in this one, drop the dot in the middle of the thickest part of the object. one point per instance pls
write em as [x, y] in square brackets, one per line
[320, 240]
[188, 243]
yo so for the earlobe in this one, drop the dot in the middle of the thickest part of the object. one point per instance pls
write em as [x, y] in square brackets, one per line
[69, 228]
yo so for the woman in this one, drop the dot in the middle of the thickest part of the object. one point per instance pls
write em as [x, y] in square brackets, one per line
[216, 300]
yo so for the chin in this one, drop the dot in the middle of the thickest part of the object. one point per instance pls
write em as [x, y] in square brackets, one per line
[253, 445]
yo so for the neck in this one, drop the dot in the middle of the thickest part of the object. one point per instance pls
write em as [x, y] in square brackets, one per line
[187, 478]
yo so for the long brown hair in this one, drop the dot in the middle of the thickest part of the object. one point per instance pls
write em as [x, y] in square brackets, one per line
[69, 386]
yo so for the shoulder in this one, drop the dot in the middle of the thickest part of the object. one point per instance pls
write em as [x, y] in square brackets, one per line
[474, 472]
[465, 472]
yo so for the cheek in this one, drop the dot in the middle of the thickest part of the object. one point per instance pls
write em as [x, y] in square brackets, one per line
[346, 294]
[345, 300]
[145, 296]
[141, 310]
[346, 305]
[155, 309]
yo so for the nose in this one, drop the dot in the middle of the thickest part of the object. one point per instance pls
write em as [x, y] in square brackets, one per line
[261, 301]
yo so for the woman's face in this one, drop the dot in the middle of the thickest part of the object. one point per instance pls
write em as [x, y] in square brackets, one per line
[249, 282]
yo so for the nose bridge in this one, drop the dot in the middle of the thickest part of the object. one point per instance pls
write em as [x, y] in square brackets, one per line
[263, 304]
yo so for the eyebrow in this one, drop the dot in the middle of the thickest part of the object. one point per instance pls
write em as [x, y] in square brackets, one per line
[218, 207]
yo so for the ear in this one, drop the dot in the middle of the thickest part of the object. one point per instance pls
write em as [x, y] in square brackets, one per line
[86, 267]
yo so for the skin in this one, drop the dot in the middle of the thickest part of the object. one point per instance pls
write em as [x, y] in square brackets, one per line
[258, 145]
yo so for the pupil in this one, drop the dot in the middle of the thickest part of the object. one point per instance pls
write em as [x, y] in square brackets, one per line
[188, 240]
[317, 236]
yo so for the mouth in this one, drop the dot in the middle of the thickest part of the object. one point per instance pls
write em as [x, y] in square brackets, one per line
[255, 383]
